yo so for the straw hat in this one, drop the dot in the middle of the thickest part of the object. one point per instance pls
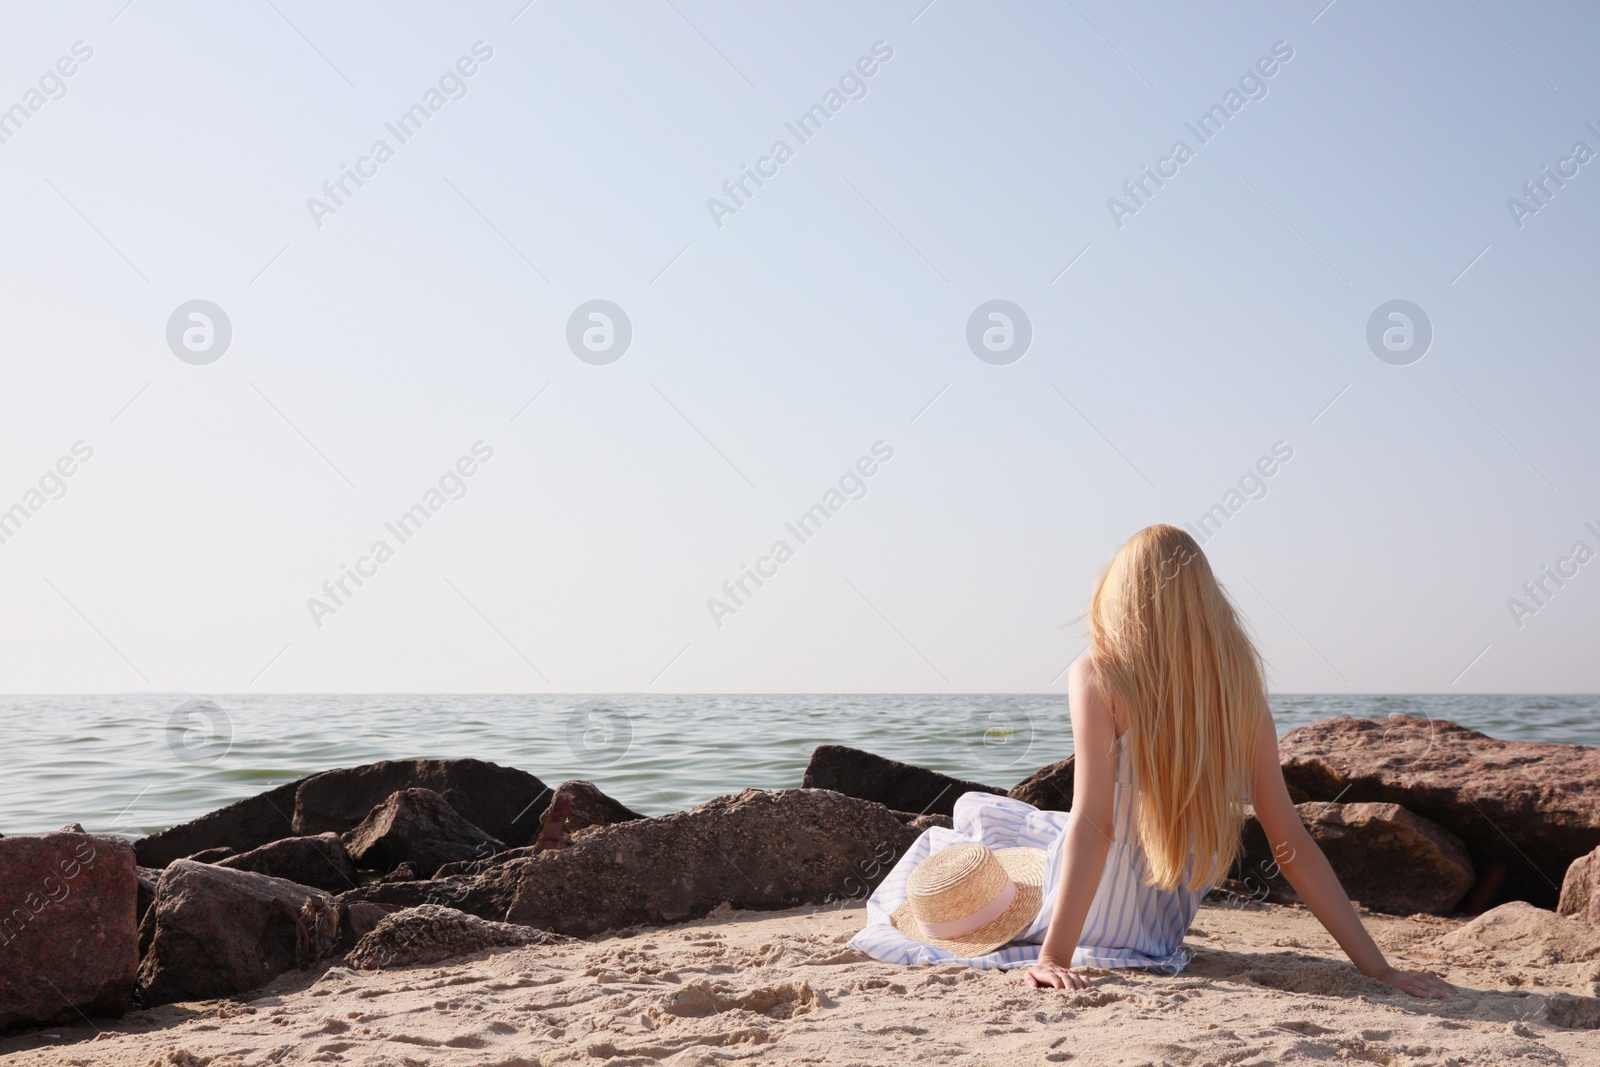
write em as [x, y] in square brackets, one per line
[970, 899]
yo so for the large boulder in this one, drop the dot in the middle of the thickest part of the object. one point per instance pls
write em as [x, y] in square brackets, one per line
[505, 803]
[68, 946]
[1386, 857]
[215, 932]
[1580, 889]
[757, 849]
[1526, 810]
[320, 862]
[430, 933]
[1048, 788]
[416, 826]
[891, 783]
[242, 825]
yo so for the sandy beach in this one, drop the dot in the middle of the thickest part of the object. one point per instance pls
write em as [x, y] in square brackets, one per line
[1266, 985]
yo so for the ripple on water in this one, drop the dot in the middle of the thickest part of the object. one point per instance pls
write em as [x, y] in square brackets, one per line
[105, 760]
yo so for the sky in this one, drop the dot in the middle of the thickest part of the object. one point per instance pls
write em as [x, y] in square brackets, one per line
[1049, 272]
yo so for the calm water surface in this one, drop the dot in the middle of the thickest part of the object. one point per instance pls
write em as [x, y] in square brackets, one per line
[137, 763]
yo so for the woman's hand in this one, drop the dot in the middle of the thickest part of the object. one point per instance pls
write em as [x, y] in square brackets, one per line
[1049, 974]
[1423, 984]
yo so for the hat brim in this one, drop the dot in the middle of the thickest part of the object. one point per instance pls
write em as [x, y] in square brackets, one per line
[1026, 868]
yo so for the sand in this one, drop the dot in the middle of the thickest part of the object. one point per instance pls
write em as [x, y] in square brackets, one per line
[1266, 986]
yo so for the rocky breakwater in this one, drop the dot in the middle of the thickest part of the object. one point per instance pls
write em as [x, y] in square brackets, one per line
[1524, 811]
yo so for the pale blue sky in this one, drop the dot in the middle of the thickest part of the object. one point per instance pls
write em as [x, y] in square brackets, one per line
[371, 352]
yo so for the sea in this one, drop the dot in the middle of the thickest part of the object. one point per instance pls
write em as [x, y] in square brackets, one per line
[132, 764]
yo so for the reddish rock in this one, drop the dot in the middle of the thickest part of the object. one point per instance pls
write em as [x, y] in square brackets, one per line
[757, 850]
[419, 827]
[578, 805]
[1386, 857]
[67, 935]
[888, 782]
[1048, 788]
[1580, 889]
[215, 932]
[1525, 810]
[320, 862]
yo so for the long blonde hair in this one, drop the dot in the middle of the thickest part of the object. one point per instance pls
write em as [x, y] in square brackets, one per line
[1169, 643]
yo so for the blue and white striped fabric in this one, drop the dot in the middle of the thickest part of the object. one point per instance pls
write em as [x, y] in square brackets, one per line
[1130, 923]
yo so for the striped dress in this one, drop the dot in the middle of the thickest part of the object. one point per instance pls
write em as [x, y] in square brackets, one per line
[1130, 923]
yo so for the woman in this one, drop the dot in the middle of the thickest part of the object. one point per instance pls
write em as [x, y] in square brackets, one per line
[1173, 737]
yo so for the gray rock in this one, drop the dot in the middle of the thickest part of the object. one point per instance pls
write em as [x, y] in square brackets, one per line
[430, 933]
[216, 932]
[418, 827]
[755, 850]
[888, 782]
[1048, 788]
[320, 862]
[244, 824]
[507, 803]
[1386, 857]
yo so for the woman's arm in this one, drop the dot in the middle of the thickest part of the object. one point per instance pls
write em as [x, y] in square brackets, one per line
[1307, 869]
[1094, 740]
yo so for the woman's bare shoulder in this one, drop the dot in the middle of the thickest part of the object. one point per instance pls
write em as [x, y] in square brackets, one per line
[1086, 681]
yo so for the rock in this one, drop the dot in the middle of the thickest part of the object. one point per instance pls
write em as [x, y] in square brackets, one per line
[68, 946]
[416, 826]
[212, 855]
[479, 866]
[1526, 810]
[430, 933]
[217, 932]
[1048, 788]
[1385, 857]
[577, 805]
[450, 891]
[320, 862]
[357, 920]
[755, 850]
[149, 878]
[506, 803]
[244, 824]
[72, 828]
[1519, 934]
[888, 782]
[1580, 890]
[407, 872]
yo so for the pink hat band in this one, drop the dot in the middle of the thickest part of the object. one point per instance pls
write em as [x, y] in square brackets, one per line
[977, 920]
